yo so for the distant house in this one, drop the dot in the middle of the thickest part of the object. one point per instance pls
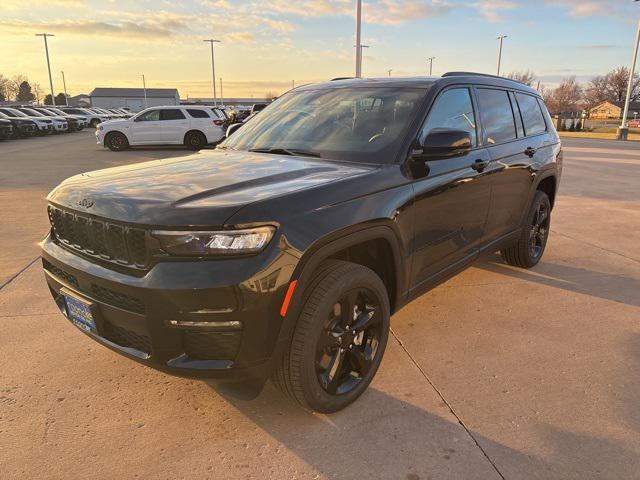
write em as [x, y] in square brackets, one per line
[608, 109]
[133, 98]
[82, 100]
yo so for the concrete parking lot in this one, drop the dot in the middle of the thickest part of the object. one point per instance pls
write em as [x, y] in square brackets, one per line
[498, 373]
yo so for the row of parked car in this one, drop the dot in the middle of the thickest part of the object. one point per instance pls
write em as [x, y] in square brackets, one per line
[20, 121]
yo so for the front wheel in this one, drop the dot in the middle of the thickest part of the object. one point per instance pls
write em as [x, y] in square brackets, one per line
[339, 340]
[528, 250]
[116, 141]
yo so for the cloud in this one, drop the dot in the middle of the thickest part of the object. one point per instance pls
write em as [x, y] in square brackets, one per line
[396, 12]
[240, 37]
[491, 10]
[310, 8]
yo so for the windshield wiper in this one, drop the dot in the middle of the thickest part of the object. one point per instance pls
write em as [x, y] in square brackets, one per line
[286, 151]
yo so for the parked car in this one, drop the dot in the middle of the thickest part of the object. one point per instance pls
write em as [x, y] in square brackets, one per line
[61, 124]
[192, 126]
[284, 252]
[22, 127]
[6, 129]
[93, 117]
[81, 120]
[119, 113]
[44, 125]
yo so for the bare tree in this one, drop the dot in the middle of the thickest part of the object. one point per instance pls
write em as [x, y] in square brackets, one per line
[597, 91]
[566, 97]
[269, 94]
[4, 91]
[37, 91]
[13, 87]
[527, 77]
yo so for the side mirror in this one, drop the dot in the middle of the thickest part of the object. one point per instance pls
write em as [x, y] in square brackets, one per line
[443, 143]
[232, 128]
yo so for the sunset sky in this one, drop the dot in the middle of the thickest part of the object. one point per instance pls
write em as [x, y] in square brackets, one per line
[267, 44]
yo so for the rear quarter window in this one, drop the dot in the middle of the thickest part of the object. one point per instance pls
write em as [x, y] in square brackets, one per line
[196, 113]
[531, 114]
[497, 116]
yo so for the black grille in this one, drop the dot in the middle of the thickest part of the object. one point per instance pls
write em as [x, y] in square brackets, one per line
[95, 237]
[68, 278]
[212, 345]
[127, 338]
[118, 299]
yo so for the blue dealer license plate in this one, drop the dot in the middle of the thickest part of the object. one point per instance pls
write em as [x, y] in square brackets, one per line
[79, 312]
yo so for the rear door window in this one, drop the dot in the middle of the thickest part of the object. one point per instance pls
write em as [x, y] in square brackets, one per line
[531, 114]
[171, 114]
[497, 116]
[452, 109]
[197, 113]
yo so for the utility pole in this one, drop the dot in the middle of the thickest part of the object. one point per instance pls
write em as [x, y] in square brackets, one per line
[46, 50]
[221, 95]
[501, 38]
[623, 129]
[211, 41]
[358, 38]
[144, 89]
[431, 59]
[64, 84]
[390, 70]
[293, 84]
[361, 57]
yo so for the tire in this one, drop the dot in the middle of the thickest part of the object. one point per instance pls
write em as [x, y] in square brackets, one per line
[116, 141]
[327, 379]
[529, 248]
[195, 140]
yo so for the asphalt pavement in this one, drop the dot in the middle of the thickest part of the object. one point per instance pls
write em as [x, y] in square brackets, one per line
[498, 373]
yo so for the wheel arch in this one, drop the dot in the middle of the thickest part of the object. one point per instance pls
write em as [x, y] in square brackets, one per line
[194, 130]
[549, 185]
[112, 132]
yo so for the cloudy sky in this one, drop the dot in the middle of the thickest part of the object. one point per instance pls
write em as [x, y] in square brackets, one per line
[267, 44]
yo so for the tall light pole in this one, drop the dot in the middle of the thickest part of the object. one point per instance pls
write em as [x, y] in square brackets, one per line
[211, 41]
[221, 95]
[361, 57]
[358, 38]
[623, 129]
[46, 50]
[144, 90]
[501, 38]
[431, 59]
[389, 71]
[64, 84]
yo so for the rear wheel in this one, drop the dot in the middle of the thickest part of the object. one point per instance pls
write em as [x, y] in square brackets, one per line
[195, 140]
[116, 141]
[529, 248]
[339, 340]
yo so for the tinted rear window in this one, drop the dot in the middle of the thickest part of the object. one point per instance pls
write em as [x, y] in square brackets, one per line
[195, 113]
[497, 116]
[171, 114]
[531, 114]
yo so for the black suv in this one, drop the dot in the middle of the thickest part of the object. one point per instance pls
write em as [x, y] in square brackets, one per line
[284, 252]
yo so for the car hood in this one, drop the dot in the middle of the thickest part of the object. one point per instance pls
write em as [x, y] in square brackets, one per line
[203, 189]
[115, 121]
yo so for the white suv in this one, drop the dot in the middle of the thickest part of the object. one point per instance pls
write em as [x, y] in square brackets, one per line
[191, 126]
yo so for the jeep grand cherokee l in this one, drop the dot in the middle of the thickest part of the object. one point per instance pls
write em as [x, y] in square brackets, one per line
[284, 252]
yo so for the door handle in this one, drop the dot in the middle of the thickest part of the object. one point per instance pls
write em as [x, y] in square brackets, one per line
[530, 151]
[479, 165]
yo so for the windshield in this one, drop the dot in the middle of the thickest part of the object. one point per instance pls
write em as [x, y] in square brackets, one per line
[54, 110]
[33, 113]
[14, 112]
[362, 124]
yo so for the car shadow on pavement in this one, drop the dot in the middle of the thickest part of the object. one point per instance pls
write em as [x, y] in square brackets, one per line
[384, 437]
[617, 288]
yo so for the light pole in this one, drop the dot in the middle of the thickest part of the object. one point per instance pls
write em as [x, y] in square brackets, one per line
[623, 129]
[144, 90]
[501, 38]
[221, 95]
[389, 71]
[211, 41]
[431, 59]
[358, 38]
[361, 57]
[64, 84]
[46, 50]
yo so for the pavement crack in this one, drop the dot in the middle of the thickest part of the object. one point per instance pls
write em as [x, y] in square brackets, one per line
[20, 272]
[579, 240]
[449, 406]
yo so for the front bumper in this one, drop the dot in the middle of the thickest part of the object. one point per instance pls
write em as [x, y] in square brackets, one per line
[136, 315]
[6, 132]
[99, 137]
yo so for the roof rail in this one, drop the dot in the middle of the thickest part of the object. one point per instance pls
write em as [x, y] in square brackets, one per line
[341, 78]
[472, 74]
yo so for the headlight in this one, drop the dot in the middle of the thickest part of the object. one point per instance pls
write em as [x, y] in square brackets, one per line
[223, 242]
[100, 127]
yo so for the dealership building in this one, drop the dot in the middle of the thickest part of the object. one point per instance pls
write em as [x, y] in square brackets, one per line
[133, 98]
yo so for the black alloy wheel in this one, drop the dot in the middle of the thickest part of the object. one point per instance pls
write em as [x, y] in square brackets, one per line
[347, 348]
[340, 334]
[529, 248]
[195, 140]
[117, 142]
